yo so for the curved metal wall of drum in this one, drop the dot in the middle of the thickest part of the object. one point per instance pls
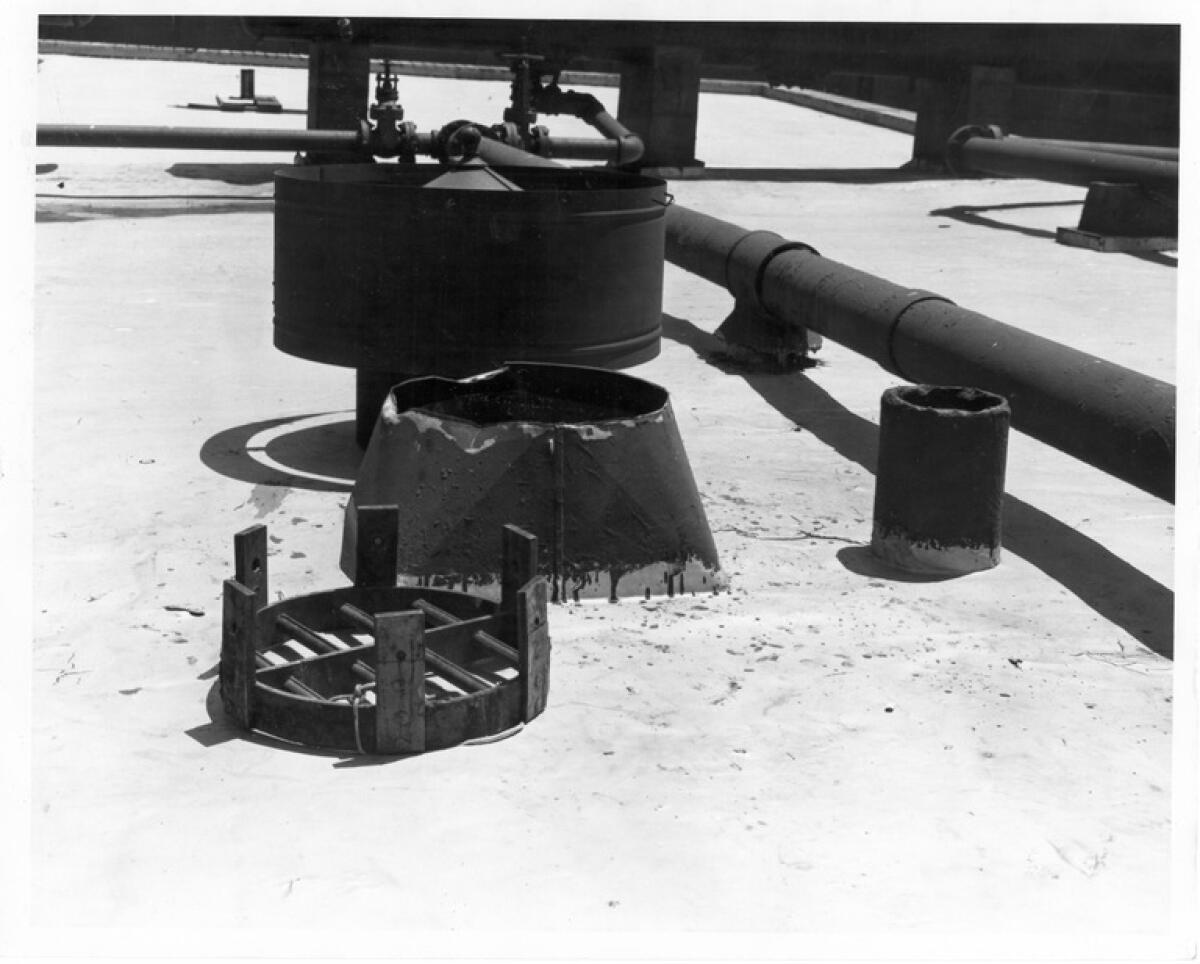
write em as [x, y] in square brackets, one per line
[375, 272]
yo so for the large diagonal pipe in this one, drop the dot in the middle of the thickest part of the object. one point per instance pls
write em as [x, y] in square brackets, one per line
[1110, 417]
[1153, 151]
[1115, 419]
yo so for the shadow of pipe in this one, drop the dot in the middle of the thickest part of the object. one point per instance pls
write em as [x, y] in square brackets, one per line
[54, 209]
[1117, 591]
[970, 214]
[230, 172]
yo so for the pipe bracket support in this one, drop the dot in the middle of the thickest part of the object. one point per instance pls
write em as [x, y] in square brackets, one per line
[755, 292]
[765, 263]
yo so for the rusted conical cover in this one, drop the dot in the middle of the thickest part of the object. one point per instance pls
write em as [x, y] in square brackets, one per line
[589, 461]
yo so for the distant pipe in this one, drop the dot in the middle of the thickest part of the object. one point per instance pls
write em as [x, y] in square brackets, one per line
[199, 138]
[1135, 150]
[984, 150]
[582, 149]
[260, 139]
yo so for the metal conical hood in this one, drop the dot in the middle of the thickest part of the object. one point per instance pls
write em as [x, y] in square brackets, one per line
[472, 175]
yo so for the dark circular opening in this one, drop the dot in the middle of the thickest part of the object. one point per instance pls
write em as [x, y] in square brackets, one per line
[548, 394]
[947, 399]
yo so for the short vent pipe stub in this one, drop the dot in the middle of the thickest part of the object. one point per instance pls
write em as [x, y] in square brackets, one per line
[939, 487]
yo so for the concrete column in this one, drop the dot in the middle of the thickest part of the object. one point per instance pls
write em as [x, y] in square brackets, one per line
[659, 100]
[339, 88]
[990, 98]
[941, 110]
[984, 97]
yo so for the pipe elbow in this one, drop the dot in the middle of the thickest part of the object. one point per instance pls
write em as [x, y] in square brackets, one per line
[588, 108]
[629, 148]
[554, 100]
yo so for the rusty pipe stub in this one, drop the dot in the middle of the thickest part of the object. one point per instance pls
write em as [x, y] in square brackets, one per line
[939, 489]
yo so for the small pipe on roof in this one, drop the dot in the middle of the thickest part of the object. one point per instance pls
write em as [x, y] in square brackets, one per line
[986, 150]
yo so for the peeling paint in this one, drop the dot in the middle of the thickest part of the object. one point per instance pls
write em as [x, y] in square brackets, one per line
[929, 556]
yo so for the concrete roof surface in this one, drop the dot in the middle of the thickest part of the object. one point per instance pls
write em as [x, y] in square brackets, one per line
[827, 758]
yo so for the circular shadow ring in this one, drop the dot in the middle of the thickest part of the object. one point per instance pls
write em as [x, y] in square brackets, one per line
[317, 452]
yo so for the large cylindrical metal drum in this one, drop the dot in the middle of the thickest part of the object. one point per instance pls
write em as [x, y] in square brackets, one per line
[375, 271]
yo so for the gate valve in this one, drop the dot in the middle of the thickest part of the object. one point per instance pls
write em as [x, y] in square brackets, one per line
[386, 86]
[524, 84]
[390, 135]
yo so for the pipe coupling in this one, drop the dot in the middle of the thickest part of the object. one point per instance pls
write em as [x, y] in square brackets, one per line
[953, 153]
[744, 279]
[901, 302]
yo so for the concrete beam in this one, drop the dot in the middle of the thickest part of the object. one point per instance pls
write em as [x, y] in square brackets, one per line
[339, 89]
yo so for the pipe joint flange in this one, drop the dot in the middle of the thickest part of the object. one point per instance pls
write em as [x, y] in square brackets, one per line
[901, 304]
[761, 274]
[730, 279]
[953, 152]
